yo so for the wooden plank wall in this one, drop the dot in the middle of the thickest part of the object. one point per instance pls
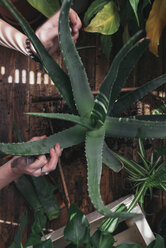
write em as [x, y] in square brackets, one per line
[25, 87]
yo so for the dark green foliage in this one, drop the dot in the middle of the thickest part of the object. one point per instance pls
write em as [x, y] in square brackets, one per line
[93, 122]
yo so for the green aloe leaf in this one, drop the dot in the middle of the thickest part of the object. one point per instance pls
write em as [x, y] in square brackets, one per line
[46, 7]
[77, 229]
[110, 160]
[17, 239]
[126, 67]
[127, 100]
[58, 76]
[134, 5]
[45, 192]
[67, 138]
[133, 128]
[67, 117]
[94, 146]
[105, 91]
[80, 85]
[107, 20]
[95, 7]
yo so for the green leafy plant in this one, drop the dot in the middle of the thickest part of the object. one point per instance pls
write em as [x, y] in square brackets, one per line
[105, 17]
[146, 175]
[94, 119]
[77, 232]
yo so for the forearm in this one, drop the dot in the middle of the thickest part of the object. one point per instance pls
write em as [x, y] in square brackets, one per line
[12, 38]
[7, 174]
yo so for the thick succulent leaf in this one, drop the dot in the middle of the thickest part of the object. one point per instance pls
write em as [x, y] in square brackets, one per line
[102, 100]
[46, 7]
[127, 100]
[110, 160]
[155, 24]
[45, 191]
[67, 138]
[133, 128]
[126, 67]
[17, 239]
[80, 86]
[77, 229]
[134, 5]
[107, 20]
[58, 76]
[95, 7]
[67, 117]
[94, 147]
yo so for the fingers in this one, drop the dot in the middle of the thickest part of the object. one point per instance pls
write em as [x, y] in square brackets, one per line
[38, 138]
[55, 153]
[76, 23]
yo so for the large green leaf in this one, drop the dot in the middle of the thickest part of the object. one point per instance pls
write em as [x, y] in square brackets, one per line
[94, 146]
[46, 7]
[110, 160]
[67, 117]
[77, 229]
[134, 5]
[45, 191]
[133, 128]
[58, 76]
[17, 239]
[107, 20]
[95, 7]
[26, 188]
[102, 240]
[127, 100]
[105, 91]
[126, 67]
[158, 242]
[67, 138]
[80, 86]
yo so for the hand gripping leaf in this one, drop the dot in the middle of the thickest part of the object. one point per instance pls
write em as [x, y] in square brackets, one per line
[96, 119]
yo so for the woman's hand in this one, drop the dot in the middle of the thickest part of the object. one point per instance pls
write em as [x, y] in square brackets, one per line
[48, 32]
[38, 166]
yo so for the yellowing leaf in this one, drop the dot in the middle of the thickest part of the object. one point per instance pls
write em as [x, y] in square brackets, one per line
[155, 24]
[106, 22]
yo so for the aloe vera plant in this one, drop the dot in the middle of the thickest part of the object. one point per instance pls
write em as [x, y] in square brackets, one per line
[94, 119]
